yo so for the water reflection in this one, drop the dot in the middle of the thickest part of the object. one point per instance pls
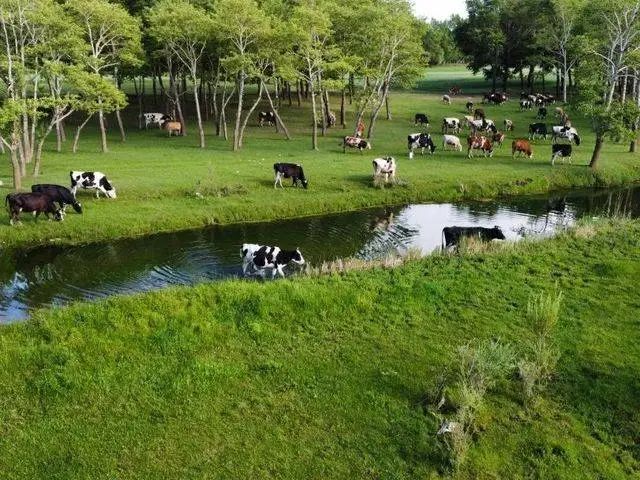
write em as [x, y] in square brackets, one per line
[58, 275]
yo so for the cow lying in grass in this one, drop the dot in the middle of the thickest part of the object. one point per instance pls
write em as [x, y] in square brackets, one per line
[261, 257]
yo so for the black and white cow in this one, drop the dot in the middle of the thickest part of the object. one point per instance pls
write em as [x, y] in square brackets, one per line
[155, 118]
[537, 130]
[526, 105]
[451, 124]
[92, 180]
[289, 170]
[355, 142]
[268, 117]
[59, 194]
[261, 257]
[386, 167]
[561, 150]
[570, 133]
[452, 235]
[469, 106]
[421, 141]
[421, 119]
[542, 113]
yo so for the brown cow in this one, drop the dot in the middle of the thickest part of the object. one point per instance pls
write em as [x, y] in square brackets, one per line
[479, 142]
[31, 202]
[498, 138]
[522, 147]
[173, 127]
[478, 114]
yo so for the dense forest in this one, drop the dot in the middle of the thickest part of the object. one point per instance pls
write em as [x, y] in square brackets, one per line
[73, 57]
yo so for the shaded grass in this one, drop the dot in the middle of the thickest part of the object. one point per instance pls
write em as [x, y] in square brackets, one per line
[167, 184]
[326, 377]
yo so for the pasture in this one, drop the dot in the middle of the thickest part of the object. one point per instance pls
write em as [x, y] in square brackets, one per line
[167, 184]
[332, 376]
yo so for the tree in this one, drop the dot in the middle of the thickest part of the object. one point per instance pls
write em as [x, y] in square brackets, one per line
[185, 30]
[114, 39]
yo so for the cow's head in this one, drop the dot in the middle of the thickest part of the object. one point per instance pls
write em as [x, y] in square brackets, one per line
[297, 257]
[77, 207]
[58, 216]
[111, 193]
[496, 232]
[305, 182]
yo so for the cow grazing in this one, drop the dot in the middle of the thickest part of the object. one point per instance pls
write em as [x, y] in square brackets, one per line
[386, 167]
[266, 117]
[451, 142]
[521, 147]
[561, 150]
[155, 118]
[355, 142]
[495, 98]
[469, 107]
[59, 194]
[173, 127]
[468, 121]
[498, 137]
[446, 99]
[526, 105]
[542, 113]
[36, 203]
[565, 132]
[537, 130]
[478, 114]
[421, 119]
[92, 180]
[455, 90]
[508, 125]
[450, 124]
[421, 141]
[262, 257]
[452, 235]
[289, 170]
[479, 142]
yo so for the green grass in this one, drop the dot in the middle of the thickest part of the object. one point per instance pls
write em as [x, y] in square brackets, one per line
[326, 377]
[157, 177]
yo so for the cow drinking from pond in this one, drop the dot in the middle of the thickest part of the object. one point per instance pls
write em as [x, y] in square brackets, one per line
[261, 257]
[92, 180]
[453, 235]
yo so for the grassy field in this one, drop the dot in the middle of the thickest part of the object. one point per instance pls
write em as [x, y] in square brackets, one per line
[167, 184]
[331, 377]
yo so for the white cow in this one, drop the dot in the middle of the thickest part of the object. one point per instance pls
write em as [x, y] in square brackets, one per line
[451, 141]
[384, 166]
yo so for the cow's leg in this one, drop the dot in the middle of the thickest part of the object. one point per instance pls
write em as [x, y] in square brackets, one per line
[97, 193]
[279, 270]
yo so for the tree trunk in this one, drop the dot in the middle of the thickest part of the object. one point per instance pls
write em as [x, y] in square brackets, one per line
[298, 93]
[236, 130]
[15, 167]
[314, 132]
[59, 137]
[76, 137]
[103, 131]
[275, 112]
[123, 138]
[376, 111]
[596, 152]
[198, 114]
[155, 90]
[386, 105]
[342, 95]
[289, 93]
[249, 114]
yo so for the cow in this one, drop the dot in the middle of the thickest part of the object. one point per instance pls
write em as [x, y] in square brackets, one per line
[498, 137]
[468, 121]
[421, 119]
[508, 125]
[479, 142]
[542, 113]
[537, 130]
[268, 117]
[355, 142]
[451, 141]
[455, 90]
[293, 171]
[155, 118]
[569, 133]
[421, 141]
[478, 114]
[469, 107]
[36, 203]
[92, 180]
[450, 124]
[522, 147]
[59, 194]
[173, 127]
[331, 119]
[262, 257]
[451, 235]
[483, 126]
[526, 105]
[386, 167]
[446, 99]
[561, 150]
[495, 98]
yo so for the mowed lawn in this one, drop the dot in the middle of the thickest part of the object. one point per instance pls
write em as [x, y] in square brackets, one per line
[167, 184]
[332, 377]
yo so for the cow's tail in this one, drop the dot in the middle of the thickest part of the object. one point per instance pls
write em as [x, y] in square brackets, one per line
[443, 239]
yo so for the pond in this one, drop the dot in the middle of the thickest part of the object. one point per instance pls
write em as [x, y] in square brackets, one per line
[55, 275]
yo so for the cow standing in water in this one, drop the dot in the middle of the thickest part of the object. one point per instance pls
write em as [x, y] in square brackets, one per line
[262, 257]
[451, 236]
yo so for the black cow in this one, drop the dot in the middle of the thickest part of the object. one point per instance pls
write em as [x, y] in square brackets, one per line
[31, 202]
[289, 170]
[59, 194]
[469, 106]
[537, 129]
[421, 119]
[452, 235]
[268, 117]
[562, 150]
[542, 113]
